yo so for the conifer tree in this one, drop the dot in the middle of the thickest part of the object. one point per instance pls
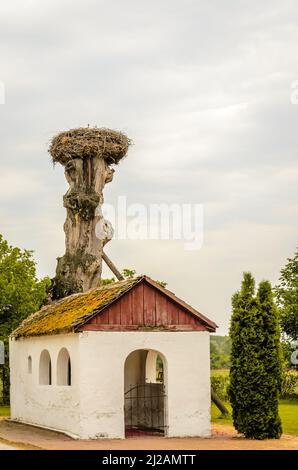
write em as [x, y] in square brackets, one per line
[255, 374]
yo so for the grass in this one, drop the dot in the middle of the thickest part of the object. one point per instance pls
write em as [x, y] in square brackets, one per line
[219, 372]
[288, 410]
[4, 411]
[289, 416]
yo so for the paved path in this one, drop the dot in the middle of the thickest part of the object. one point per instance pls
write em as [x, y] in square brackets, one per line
[223, 437]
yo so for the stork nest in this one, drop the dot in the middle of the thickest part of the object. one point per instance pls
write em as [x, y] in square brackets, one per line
[86, 142]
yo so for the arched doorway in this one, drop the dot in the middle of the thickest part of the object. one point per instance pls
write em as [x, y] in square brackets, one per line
[145, 393]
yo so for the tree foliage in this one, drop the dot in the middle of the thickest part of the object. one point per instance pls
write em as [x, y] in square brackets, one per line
[256, 366]
[127, 273]
[21, 293]
[220, 350]
[287, 298]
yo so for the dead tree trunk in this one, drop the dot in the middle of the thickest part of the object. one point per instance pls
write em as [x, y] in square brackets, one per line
[86, 231]
[86, 155]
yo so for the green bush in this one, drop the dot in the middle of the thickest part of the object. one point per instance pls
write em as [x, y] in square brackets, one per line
[289, 384]
[256, 366]
[219, 384]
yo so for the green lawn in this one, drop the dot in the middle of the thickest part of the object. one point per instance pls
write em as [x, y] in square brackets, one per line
[4, 411]
[219, 372]
[288, 410]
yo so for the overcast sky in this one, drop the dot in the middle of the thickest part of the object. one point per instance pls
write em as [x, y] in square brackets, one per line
[203, 88]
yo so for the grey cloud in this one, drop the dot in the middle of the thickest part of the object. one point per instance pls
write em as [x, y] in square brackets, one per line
[202, 88]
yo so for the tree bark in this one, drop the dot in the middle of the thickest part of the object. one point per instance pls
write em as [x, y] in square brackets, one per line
[86, 230]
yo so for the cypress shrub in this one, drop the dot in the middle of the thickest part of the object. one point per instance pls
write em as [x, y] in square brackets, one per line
[256, 365]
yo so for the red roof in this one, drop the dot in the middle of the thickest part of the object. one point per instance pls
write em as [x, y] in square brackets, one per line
[148, 305]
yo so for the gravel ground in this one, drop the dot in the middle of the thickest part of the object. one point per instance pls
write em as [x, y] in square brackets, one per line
[223, 437]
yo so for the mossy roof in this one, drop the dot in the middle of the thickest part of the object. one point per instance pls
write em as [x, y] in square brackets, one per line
[65, 315]
[68, 314]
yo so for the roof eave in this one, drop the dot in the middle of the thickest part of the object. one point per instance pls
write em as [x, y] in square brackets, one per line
[207, 322]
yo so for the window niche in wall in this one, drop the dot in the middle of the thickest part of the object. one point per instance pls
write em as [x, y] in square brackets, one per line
[63, 368]
[45, 368]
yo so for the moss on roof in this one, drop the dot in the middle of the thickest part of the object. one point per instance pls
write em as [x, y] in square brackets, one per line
[66, 314]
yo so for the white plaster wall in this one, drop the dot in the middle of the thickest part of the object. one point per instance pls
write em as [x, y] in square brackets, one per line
[93, 406]
[52, 406]
[151, 360]
[187, 377]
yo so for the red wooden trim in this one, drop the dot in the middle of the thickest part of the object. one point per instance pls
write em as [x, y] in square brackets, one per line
[149, 306]
[92, 327]
[209, 323]
[184, 318]
[103, 318]
[114, 313]
[145, 308]
[138, 305]
[126, 309]
[173, 314]
[161, 310]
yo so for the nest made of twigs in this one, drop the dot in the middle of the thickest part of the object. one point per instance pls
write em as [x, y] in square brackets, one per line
[86, 142]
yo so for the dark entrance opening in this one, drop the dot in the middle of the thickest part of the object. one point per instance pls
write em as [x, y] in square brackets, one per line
[144, 394]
